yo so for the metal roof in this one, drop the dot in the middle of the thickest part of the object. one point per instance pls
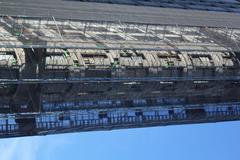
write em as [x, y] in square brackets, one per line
[116, 12]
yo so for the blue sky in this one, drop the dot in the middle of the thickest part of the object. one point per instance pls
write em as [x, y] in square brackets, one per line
[220, 141]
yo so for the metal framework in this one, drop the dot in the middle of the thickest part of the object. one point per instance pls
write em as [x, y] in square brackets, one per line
[60, 76]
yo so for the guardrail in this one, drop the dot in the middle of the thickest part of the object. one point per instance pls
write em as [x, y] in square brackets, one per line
[54, 127]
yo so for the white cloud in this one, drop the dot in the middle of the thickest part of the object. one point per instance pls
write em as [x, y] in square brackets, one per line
[19, 149]
[30, 148]
[8, 148]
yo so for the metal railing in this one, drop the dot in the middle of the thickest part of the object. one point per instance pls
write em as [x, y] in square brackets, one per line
[61, 126]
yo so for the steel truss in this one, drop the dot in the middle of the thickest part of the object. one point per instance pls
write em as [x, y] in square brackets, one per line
[61, 76]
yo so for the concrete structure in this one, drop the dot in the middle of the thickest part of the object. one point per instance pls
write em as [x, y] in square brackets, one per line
[61, 75]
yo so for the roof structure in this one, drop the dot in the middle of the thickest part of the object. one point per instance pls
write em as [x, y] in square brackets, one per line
[78, 10]
[52, 33]
[72, 66]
